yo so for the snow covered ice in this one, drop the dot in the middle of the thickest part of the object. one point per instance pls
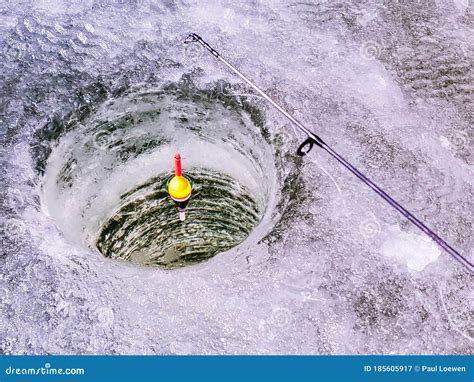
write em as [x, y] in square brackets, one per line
[97, 94]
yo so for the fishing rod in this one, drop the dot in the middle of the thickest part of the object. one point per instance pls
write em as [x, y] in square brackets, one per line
[313, 139]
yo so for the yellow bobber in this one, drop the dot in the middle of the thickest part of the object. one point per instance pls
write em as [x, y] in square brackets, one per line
[179, 188]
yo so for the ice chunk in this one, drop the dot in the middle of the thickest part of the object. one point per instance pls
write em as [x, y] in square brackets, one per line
[414, 250]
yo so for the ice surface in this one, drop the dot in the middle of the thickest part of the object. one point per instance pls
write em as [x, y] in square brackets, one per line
[387, 83]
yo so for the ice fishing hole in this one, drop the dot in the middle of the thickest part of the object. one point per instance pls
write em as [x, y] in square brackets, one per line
[146, 230]
[106, 177]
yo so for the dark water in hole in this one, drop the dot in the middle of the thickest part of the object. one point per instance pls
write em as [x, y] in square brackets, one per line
[147, 231]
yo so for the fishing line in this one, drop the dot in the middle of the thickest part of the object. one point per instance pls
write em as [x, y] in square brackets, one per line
[313, 139]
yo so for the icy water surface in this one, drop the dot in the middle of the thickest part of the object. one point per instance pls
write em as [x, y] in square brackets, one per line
[280, 254]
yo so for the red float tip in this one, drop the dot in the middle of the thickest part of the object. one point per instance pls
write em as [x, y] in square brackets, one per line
[177, 165]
